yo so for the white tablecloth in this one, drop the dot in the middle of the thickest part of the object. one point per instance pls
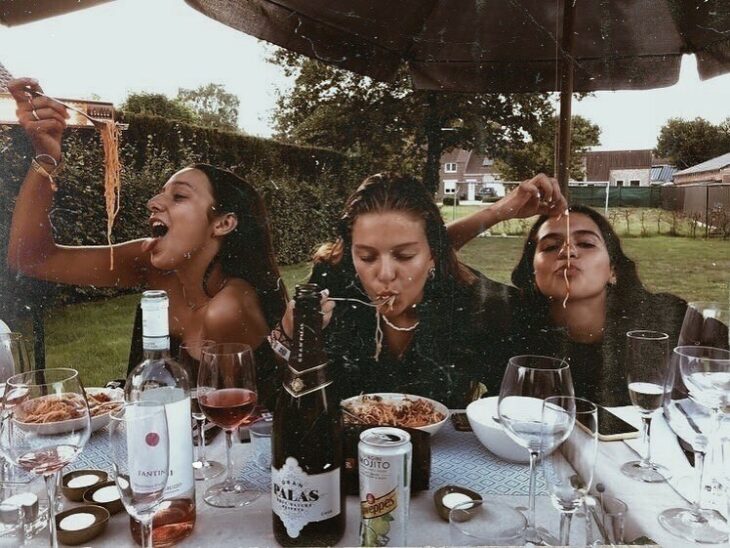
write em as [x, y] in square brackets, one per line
[251, 526]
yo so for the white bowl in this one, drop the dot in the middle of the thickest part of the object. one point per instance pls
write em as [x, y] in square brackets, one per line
[62, 427]
[481, 414]
[390, 397]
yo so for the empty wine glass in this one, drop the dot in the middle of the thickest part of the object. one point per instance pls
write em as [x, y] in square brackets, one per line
[13, 356]
[13, 360]
[568, 467]
[705, 372]
[189, 358]
[140, 450]
[227, 395]
[45, 423]
[527, 382]
[706, 324]
[646, 371]
[690, 421]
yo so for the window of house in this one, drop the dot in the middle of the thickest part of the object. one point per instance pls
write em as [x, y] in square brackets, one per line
[635, 182]
[449, 186]
[619, 183]
[450, 167]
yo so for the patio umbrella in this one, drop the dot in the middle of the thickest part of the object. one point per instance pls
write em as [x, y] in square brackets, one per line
[17, 12]
[497, 46]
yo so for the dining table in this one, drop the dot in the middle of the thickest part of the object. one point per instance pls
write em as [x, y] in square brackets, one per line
[457, 458]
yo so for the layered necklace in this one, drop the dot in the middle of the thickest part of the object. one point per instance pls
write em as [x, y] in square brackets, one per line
[379, 334]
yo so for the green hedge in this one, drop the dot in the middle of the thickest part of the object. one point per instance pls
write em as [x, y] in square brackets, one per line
[304, 189]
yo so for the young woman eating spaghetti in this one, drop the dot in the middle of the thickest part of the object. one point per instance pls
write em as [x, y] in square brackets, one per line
[409, 317]
[210, 247]
[606, 299]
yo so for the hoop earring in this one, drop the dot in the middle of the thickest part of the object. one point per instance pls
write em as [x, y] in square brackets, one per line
[432, 273]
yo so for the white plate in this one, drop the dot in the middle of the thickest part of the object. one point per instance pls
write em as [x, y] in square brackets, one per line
[390, 397]
[62, 427]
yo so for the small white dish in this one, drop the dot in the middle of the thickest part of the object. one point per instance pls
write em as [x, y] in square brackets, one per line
[481, 414]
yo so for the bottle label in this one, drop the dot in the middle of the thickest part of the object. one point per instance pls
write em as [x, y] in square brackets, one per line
[146, 474]
[155, 326]
[301, 383]
[299, 498]
[177, 409]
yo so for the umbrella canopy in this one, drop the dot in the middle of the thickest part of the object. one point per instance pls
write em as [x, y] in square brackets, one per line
[494, 45]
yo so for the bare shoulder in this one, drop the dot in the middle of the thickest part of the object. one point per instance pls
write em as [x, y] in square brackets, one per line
[235, 314]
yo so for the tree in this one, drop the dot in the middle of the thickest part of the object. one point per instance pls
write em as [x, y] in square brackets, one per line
[393, 126]
[690, 142]
[159, 105]
[538, 155]
[212, 105]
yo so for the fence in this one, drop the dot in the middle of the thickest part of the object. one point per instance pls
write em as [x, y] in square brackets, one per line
[707, 203]
[618, 196]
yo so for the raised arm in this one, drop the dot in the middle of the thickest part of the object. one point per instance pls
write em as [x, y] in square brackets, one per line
[32, 249]
[537, 196]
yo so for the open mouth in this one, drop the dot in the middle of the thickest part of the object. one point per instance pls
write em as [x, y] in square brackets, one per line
[159, 229]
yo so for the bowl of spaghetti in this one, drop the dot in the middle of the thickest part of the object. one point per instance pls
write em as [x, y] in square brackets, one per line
[60, 413]
[400, 410]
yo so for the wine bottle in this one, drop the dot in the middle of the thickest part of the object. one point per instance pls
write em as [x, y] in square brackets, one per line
[159, 377]
[308, 496]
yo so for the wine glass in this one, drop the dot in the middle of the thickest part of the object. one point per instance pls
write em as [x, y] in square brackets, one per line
[527, 382]
[44, 447]
[13, 356]
[140, 450]
[568, 482]
[13, 360]
[189, 358]
[706, 324]
[646, 371]
[227, 395]
[690, 420]
[705, 372]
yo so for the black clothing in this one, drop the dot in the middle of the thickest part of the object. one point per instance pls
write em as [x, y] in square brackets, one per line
[599, 370]
[458, 340]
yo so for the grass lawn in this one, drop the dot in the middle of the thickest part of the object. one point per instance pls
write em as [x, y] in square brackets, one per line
[94, 337]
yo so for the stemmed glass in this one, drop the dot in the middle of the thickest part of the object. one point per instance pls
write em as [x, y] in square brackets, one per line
[568, 468]
[706, 324]
[227, 395]
[527, 382]
[646, 372]
[44, 448]
[705, 372]
[189, 358]
[690, 421]
[140, 450]
[13, 360]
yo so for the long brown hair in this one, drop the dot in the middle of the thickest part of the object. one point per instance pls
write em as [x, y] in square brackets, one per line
[627, 284]
[394, 192]
[247, 252]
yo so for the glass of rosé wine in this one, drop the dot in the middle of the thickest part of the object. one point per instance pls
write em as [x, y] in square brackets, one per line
[227, 396]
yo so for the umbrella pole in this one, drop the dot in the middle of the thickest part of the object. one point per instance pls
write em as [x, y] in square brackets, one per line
[567, 42]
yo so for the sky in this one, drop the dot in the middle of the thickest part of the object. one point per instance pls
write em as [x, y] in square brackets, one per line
[161, 45]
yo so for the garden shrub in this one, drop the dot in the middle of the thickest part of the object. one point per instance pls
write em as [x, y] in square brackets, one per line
[304, 189]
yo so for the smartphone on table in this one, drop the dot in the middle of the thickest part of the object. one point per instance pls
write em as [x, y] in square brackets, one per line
[611, 427]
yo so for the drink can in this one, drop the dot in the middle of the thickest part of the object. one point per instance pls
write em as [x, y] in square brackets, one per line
[384, 462]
